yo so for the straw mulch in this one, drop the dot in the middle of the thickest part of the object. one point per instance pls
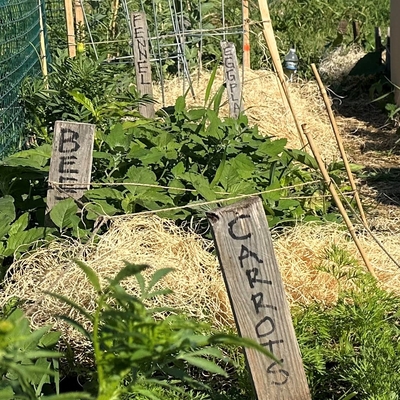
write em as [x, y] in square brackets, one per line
[303, 255]
[264, 106]
[337, 64]
[196, 281]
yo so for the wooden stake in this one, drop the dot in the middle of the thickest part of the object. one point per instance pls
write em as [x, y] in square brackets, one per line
[71, 161]
[246, 35]
[79, 20]
[257, 296]
[232, 79]
[69, 19]
[273, 49]
[339, 142]
[43, 55]
[113, 23]
[141, 54]
[337, 200]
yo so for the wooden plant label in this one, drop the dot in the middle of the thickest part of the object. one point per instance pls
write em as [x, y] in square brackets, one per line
[142, 61]
[71, 161]
[258, 300]
[233, 85]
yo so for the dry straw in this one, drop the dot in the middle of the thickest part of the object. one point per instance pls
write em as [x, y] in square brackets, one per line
[196, 281]
[264, 106]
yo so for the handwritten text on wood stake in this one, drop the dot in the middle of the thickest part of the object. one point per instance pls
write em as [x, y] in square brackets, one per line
[71, 161]
[233, 86]
[258, 300]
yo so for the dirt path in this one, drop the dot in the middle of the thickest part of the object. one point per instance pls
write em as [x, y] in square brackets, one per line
[372, 141]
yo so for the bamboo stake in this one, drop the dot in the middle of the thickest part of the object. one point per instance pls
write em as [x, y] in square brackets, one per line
[339, 142]
[43, 56]
[113, 23]
[246, 35]
[273, 49]
[337, 200]
[69, 18]
[79, 20]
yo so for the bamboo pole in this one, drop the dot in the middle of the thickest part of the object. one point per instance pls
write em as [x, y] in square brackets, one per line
[339, 142]
[273, 49]
[246, 35]
[337, 200]
[79, 19]
[69, 18]
[43, 55]
[113, 23]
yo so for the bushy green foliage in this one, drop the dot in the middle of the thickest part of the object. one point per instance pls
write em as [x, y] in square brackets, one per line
[312, 25]
[108, 86]
[353, 345]
[133, 350]
[28, 362]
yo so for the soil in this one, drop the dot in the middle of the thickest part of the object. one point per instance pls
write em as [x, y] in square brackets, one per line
[372, 140]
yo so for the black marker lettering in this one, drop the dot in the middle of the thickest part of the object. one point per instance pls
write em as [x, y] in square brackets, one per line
[232, 223]
[68, 136]
[285, 373]
[258, 301]
[265, 320]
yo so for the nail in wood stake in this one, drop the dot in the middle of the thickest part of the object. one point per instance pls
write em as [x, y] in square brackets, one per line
[337, 200]
[339, 142]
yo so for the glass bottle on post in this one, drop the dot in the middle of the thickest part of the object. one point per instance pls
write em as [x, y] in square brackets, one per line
[291, 63]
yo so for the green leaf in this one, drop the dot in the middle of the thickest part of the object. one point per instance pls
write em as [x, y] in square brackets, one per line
[7, 214]
[272, 148]
[210, 84]
[62, 212]
[201, 184]
[22, 241]
[217, 99]
[71, 303]
[219, 171]
[141, 175]
[127, 271]
[180, 104]
[157, 276]
[101, 207]
[6, 392]
[50, 339]
[20, 224]
[90, 274]
[86, 102]
[147, 393]
[244, 166]
[178, 170]
[117, 138]
[203, 363]
[134, 124]
[69, 396]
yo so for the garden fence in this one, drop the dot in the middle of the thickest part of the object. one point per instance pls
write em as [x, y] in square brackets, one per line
[20, 29]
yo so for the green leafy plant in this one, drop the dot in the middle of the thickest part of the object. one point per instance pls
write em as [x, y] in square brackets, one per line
[352, 347]
[28, 362]
[133, 349]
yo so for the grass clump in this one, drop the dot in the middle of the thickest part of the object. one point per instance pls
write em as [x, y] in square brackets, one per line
[353, 345]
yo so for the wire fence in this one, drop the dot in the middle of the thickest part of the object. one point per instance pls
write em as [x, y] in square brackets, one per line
[20, 28]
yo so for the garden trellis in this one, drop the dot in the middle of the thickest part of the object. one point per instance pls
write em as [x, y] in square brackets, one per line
[183, 35]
